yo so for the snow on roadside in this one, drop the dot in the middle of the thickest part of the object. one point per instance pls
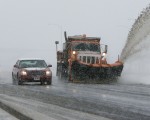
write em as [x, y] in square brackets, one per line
[136, 53]
[5, 77]
[42, 111]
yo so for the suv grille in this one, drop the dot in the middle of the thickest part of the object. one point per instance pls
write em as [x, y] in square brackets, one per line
[36, 72]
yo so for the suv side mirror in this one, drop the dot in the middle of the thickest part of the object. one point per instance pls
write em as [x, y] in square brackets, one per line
[16, 66]
[49, 65]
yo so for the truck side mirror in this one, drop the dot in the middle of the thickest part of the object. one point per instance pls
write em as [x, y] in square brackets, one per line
[64, 46]
[106, 47]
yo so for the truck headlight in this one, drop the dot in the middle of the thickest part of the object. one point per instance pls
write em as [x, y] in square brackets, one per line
[23, 73]
[103, 54]
[73, 52]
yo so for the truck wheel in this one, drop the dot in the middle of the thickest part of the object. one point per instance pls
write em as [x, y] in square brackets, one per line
[70, 76]
[60, 72]
[57, 73]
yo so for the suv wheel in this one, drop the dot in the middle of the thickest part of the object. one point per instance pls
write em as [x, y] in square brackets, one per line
[19, 82]
[42, 82]
[13, 80]
[49, 82]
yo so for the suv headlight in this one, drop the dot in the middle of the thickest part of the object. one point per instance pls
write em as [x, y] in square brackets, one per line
[23, 72]
[48, 73]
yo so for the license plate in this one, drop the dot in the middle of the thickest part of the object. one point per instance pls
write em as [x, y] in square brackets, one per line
[36, 78]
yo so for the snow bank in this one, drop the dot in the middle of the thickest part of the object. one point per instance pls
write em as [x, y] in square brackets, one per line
[136, 53]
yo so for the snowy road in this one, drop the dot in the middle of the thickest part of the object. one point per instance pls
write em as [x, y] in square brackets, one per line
[6, 116]
[43, 111]
[114, 101]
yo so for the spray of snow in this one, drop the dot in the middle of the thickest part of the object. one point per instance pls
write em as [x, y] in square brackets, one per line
[136, 53]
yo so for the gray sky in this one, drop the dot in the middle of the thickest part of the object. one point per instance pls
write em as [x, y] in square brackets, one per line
[29, 28]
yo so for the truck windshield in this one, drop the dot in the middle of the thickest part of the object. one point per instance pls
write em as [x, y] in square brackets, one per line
[86, 47]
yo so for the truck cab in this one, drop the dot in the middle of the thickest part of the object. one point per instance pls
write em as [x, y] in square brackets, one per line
[84, 58]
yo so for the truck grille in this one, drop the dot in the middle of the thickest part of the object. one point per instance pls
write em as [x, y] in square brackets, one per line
[90, 59]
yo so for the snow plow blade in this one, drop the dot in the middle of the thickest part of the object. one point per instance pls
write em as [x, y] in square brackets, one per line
[95, 73]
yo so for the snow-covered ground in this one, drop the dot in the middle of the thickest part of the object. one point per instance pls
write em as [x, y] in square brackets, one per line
[5, 77]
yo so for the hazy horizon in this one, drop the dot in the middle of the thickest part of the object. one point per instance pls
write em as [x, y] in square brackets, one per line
[30, 28]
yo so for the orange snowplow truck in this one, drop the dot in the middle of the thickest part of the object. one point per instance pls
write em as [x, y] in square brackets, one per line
[84, 59]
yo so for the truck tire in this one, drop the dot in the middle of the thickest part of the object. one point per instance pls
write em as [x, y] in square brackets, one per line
[61, 72]
[70, 76]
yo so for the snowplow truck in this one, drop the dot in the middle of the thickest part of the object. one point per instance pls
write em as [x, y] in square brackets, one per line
[83, 59]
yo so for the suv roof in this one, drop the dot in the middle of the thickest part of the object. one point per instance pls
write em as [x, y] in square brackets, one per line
[30, 59]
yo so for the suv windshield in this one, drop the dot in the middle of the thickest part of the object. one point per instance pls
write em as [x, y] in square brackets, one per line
[32, 63]
[86, 47]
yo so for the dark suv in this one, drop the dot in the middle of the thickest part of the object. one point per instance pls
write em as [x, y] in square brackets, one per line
[31, 70]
